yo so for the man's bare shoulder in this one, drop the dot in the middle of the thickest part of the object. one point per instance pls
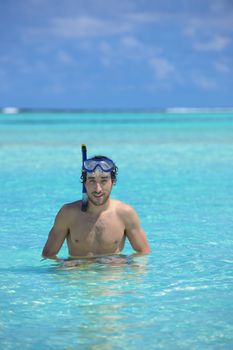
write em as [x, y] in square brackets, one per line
[73, 205]
[128, 215]
[70, 209]
[122, 208]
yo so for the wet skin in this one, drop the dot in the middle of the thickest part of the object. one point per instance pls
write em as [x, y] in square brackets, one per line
[99, 231]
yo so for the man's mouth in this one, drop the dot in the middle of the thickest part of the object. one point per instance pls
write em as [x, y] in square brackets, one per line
[98, 195]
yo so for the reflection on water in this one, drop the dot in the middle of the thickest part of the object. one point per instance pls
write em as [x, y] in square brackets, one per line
[90, 305]
[97, 294]
[103, 269]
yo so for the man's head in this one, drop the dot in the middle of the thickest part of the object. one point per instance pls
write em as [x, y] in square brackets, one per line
[98, 164]
[98, 175]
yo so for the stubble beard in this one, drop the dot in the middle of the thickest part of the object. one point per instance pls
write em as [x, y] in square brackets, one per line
[98, 203]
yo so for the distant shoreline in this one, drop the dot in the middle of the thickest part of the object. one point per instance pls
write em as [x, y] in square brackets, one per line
[15, 110]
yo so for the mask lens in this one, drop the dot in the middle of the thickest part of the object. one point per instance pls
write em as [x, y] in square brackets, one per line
[89, 165]
[105, 165]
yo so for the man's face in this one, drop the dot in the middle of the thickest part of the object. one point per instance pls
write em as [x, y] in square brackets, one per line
[98, 186]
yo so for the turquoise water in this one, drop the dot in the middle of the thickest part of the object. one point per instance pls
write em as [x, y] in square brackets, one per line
[177, 171]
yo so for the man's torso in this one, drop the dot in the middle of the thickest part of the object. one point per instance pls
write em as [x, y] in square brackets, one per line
[94, 235]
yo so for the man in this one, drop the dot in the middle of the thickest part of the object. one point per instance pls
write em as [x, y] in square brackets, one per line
[101, 229]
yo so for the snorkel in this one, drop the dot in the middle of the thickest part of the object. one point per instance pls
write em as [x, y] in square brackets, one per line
[84, 191]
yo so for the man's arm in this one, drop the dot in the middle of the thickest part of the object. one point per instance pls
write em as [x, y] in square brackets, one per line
[135, 233]
[57, 235]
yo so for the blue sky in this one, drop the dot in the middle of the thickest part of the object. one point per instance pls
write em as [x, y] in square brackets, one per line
[116, 53]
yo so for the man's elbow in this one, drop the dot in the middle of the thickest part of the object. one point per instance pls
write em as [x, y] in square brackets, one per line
[47, 254]
[144, 250]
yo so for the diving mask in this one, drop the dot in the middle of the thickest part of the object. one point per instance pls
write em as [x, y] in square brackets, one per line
[104, 164]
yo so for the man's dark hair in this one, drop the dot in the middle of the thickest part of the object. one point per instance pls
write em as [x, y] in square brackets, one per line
[114, 172]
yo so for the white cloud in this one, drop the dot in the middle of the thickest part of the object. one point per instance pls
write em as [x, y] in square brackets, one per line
[204, 82]
[202, 25]
[4, 81]
[217, 6]
[113, 37]
[161, 67]
[218, 43]
[106, 53]
[210, 32]
[87, 26]
[222, 67]
[130, 49]
[65, 58]
[131, 42]
[146, 17]
[137, 49]
[56, 88]
[126, 49]
[95, 25]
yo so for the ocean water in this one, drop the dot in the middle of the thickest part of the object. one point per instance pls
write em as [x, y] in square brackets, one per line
[176, 170]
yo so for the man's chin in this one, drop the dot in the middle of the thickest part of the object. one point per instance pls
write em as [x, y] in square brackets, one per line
[98, 201]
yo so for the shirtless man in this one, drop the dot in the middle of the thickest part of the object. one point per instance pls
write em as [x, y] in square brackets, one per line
[101, 229]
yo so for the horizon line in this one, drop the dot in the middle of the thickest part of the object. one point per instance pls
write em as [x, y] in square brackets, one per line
[16, 110]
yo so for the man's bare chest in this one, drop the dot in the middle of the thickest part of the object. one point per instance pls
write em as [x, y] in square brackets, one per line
[97, 231]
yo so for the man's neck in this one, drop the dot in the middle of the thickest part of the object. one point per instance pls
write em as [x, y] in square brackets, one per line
[97, 209]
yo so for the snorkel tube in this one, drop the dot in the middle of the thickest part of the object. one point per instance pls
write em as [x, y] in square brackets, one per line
[84, 193]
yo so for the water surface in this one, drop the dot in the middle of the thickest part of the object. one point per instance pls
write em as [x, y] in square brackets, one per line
[176, 170]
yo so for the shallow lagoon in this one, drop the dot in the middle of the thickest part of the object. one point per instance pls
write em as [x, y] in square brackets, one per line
[176, 170]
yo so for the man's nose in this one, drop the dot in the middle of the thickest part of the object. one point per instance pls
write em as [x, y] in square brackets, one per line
[98, 187]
